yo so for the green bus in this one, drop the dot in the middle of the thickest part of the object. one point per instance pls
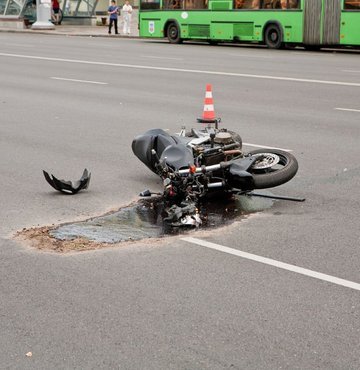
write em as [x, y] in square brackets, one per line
[311, 23]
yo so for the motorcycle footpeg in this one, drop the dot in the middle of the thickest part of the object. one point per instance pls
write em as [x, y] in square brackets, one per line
[145, 193]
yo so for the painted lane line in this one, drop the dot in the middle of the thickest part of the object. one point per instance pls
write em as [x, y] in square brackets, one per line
[274, 263]
[21, 45]
[267, 147]
[348, 109]
[181, 70]
[249, 56]
[154, 57]
[350, 71]
[82, 81]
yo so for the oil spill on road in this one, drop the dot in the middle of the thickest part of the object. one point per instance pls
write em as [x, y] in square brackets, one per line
[143, 220]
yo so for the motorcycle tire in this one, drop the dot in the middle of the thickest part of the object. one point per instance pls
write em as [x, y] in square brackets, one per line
[268, 175]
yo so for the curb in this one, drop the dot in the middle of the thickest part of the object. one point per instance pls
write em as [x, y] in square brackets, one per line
[69, 34]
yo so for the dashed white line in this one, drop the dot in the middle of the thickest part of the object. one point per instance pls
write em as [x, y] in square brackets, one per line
[249, 56]
[182, 70]
[82, 81]
[21, 45]
[350, 71]
[154, 57]
[274, 263]
[348, 109]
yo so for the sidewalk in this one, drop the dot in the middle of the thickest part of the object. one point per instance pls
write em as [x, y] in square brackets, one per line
[90, 31]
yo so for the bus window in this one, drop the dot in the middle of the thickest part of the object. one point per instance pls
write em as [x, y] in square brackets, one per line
[266, 4]
[247, 4]
[173, 4]
[276, 4]
[238, 4]
[351, 4]
[269, 4]
[289, 4]
[185, 4]
[280, 4]
[195, 4]
[150, 4]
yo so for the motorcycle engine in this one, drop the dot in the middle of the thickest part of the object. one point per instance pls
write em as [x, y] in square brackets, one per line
[222, 146]
[223, 138]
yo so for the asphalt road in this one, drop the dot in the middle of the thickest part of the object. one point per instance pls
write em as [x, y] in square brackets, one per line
[69, 102]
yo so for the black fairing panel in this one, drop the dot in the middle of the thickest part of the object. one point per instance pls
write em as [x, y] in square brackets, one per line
[178, 156]
[156, 139]
[238, 177]
[66, 186]
[159, 140]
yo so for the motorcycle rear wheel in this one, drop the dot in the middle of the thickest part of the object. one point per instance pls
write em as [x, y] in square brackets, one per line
[276, 168]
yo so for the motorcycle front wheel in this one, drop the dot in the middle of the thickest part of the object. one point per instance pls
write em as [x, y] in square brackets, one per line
[273, 168]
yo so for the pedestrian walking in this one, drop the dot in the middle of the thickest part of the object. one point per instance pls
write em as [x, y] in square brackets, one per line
[113, 16]
[126, 14]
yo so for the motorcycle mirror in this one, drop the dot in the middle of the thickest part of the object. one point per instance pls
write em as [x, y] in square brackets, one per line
[212, 139]
[153, 152]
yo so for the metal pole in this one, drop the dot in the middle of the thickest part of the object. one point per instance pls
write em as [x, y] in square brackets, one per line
[276, 197]
[43, 16]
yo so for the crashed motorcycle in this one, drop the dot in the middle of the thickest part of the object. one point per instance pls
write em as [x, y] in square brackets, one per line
[198, 164]
[201, 163]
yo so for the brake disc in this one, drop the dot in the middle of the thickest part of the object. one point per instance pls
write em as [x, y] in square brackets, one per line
[266, 160]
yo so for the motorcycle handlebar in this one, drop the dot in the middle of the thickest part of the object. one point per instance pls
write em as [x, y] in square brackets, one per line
[218, 184]
[205, 169]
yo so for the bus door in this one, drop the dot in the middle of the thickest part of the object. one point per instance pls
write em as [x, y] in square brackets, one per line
[321, 22]
[331, 23]
[312, 22]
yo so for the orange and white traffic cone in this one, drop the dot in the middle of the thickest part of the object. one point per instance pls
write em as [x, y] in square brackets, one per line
[209, 111]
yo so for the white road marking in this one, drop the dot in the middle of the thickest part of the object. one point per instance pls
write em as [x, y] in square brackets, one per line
[82, 81]
[350, 71]
[154, 57]
[249, 56]
[21, 45]
[181, 70]
[348, 109]
[267, 147]
[271, 262]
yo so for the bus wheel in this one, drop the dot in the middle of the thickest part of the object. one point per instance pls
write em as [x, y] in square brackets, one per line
[173, 34]
[273, 37]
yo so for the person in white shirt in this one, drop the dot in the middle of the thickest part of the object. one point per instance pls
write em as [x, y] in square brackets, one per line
[126, 13]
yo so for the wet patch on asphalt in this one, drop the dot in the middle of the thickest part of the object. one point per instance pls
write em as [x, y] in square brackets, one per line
[142, 221]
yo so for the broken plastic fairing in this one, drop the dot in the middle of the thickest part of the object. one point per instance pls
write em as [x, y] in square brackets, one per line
[69, 187]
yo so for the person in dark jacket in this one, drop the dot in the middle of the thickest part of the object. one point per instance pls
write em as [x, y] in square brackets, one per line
[113, 16]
